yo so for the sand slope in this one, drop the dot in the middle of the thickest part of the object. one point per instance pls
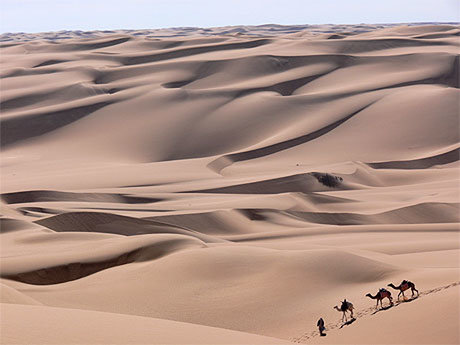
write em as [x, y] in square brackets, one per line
[72, 326]
[402, 323]
[242, 178]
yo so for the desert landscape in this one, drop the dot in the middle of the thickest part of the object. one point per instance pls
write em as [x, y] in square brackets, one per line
[230, 185]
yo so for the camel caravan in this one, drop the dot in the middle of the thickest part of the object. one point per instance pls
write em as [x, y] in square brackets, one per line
[383, 293]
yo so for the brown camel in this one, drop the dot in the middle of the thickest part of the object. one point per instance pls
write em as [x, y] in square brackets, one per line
[405, 285]
[383, 293]
[344, 307]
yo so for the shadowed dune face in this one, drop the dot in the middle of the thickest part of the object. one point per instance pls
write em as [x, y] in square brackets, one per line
[67, 269]
[247, 178]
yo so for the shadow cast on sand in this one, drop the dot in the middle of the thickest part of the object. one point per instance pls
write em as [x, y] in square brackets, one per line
[348, 322]
[384, 308]
[409, 299]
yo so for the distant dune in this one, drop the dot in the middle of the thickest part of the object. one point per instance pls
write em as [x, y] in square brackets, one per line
[230, 185]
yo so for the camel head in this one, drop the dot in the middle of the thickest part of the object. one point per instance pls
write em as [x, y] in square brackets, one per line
[337, 308]
[369, 295]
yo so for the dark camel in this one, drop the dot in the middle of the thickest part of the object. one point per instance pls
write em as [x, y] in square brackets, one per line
[405, 285]
[344, 307]
[383, 293]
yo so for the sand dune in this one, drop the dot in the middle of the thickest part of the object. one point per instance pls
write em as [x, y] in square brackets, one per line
[73, 326]
[229, 185]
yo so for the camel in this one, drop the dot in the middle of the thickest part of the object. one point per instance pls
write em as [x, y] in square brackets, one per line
[344, 307]
[383, 293]
[405, 285]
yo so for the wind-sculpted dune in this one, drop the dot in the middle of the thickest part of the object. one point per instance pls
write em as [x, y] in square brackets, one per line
[229, 185]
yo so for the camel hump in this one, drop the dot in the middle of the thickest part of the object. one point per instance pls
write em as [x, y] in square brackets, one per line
[404, 282]
[384, 291]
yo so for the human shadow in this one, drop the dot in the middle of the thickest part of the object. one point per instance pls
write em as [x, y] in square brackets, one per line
[348, 322]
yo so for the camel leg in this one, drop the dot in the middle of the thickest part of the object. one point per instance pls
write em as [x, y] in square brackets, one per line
[399, 294]
[413, 291]
[404, 297]
[351, 311]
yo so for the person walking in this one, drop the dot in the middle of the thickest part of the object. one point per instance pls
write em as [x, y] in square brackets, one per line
[321, 327]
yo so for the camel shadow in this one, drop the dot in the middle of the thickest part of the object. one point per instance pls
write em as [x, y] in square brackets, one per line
[383, 309]
[408, 300]
[348, 322]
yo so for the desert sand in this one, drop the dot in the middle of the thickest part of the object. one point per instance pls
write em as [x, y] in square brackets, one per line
[230, 185]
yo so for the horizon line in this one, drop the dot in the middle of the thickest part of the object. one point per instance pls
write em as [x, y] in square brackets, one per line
[226, 26]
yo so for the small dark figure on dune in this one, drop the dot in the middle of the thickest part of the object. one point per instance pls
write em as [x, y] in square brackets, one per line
[405, 285]
[321, 327]
[344, 307]
[383, 293]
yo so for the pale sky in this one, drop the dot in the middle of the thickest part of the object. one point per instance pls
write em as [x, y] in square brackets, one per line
[54, 15]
